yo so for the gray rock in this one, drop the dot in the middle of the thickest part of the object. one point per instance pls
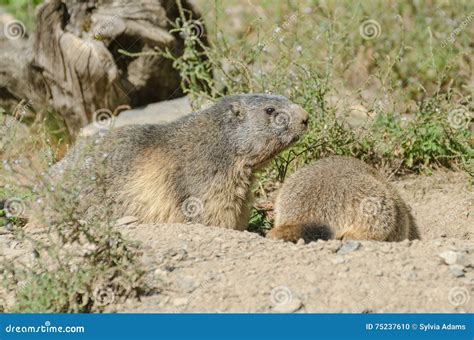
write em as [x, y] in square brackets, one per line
[156, 113]
[348, 247]
[453, 257]
[457, 270]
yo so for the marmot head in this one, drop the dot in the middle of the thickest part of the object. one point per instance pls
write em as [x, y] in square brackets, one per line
[263, 125]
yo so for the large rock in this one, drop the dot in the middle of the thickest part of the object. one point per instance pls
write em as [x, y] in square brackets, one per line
[156, 113]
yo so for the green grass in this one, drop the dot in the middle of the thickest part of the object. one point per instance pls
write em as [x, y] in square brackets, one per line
[72, 265]
[23, 10]
[77, 266]
[407, 80]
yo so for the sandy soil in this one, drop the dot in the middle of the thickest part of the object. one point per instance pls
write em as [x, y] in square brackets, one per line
[209, 269]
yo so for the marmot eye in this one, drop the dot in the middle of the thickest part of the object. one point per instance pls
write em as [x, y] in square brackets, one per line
[269, 110]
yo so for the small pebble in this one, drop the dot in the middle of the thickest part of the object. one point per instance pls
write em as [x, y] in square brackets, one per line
[349, 247]
[457, 270]
[290, 307]
[405, 243]
[452, 257]
[332, 246]
[300, 242]
[412, 276]
[338, 260]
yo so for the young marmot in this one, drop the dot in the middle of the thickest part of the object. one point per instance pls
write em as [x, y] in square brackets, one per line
[341, 198]
[197, 169]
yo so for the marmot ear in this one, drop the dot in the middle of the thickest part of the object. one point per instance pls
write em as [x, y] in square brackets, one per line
[236, 109]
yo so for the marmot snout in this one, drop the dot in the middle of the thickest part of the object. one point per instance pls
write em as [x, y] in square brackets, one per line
[341, 198]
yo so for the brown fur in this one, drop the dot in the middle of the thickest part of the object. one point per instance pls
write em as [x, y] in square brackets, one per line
[151, 194]
[205, 159]
[341, 198]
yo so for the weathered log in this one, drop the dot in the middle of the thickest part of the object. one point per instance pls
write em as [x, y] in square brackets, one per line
[72, 63]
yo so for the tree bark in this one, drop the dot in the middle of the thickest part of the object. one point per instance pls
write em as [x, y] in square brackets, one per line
[72, 63]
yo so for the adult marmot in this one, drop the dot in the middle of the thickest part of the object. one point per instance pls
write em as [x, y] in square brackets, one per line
[197, 169]
[341, 198]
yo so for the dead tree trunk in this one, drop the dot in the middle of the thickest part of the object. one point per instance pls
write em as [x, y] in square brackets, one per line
[72, 63]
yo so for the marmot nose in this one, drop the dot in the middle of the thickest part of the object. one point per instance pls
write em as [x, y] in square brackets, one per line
[301, 115]
[304, 118]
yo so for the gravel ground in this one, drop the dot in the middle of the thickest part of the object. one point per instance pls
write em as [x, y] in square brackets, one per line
[208, 269]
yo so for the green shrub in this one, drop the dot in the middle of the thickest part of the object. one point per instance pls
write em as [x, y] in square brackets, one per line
[68, 264]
